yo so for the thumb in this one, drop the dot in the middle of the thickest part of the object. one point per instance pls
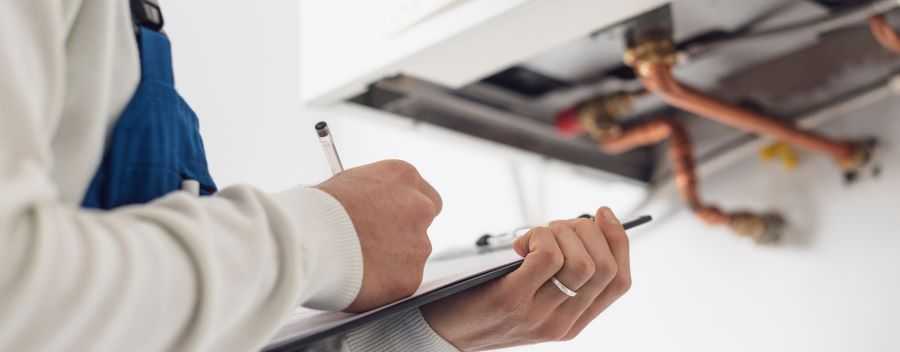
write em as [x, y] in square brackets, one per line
[521, 244]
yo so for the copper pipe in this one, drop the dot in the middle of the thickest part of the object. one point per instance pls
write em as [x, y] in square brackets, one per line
[658, 78]
[681, 154]
[884, 33]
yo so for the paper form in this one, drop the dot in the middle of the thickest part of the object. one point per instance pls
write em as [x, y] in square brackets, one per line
[305, 322]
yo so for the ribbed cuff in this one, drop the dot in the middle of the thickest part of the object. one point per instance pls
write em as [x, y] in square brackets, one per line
[407, 331]
[329, 249]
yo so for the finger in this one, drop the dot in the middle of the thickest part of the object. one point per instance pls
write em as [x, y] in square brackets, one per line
[618, 241]
[432, 194]
[606, 299]
[616, 238]
[425, 209]
[597, 244]
[520, 245]
[543, 259]
[578, 266]
[605, 269]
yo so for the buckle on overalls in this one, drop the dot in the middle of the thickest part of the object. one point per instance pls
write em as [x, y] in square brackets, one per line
[147, 14]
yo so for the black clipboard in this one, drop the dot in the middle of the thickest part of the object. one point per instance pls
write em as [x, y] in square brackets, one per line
[297, 343]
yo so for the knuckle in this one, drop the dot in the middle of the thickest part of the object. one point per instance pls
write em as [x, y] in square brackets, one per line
[552, 259]
[427, 248]
[431, 207]
[606, 270]
[587, 228]
[583, 223]
[438, 201]
[542, 258]
[557, 260]
[424, 207]
[618, 237]
[559, 225]
[401, 167]
[621, 284]
[584, 269]
[418, 211]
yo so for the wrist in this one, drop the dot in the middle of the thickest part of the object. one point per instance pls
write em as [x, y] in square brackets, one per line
[441, 322]
[330, 252]
[406, 331]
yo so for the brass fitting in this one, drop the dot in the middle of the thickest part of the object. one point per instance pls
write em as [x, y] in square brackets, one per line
[651, 52]
[599, 115]
[765, 228]
[780, 151]
[862, 154]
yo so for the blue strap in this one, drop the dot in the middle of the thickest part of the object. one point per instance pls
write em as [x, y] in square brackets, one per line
[156, 57]
[155, 144]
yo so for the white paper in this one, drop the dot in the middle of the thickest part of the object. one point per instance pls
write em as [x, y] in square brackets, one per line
[304, 322]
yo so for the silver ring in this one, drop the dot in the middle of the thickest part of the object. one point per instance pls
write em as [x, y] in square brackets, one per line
[565, 290]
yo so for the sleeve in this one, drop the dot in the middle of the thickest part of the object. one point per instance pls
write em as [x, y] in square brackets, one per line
[179, 274]
[405, 332]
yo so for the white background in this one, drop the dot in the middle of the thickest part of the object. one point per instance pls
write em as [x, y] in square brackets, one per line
[832, 286]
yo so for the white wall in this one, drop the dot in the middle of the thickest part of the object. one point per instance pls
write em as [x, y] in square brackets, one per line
[832, 287]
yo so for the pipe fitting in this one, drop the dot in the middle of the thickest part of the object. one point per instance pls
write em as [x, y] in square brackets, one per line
[860, 157]
[762, 228]
[598, 116]
[648, 53]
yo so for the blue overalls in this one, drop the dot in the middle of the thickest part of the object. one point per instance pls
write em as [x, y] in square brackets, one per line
[155, 145]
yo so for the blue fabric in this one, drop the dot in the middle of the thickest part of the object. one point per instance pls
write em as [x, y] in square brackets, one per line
[156, 143]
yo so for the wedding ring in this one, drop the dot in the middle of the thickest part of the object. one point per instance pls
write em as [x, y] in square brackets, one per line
[565, 290]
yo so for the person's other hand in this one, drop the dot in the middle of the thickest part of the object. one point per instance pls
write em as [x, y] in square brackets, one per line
[525, 307]
[391, 207]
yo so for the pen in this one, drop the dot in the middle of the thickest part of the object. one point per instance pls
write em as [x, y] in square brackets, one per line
[491, 243]
[331, 154]
[502, 240]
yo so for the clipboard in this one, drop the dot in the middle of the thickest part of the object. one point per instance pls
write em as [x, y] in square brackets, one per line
[336, 323]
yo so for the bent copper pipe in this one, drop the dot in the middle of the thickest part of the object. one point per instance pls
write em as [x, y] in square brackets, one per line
[658, 78]
[884, 33]
[681, 154]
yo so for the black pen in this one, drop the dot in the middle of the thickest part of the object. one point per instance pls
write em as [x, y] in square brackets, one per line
[492, 243]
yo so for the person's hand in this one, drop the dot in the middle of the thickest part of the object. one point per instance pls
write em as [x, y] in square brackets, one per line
[525, 307]
[391, 207]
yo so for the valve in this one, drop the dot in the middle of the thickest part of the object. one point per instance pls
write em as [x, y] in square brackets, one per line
[597, 116]
[651, 52]
[762, 228]
[862, 161]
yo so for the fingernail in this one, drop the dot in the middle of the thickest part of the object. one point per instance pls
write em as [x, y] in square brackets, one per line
[609, 216]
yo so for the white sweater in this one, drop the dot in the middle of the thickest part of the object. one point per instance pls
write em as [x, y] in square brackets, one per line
[179, 274]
